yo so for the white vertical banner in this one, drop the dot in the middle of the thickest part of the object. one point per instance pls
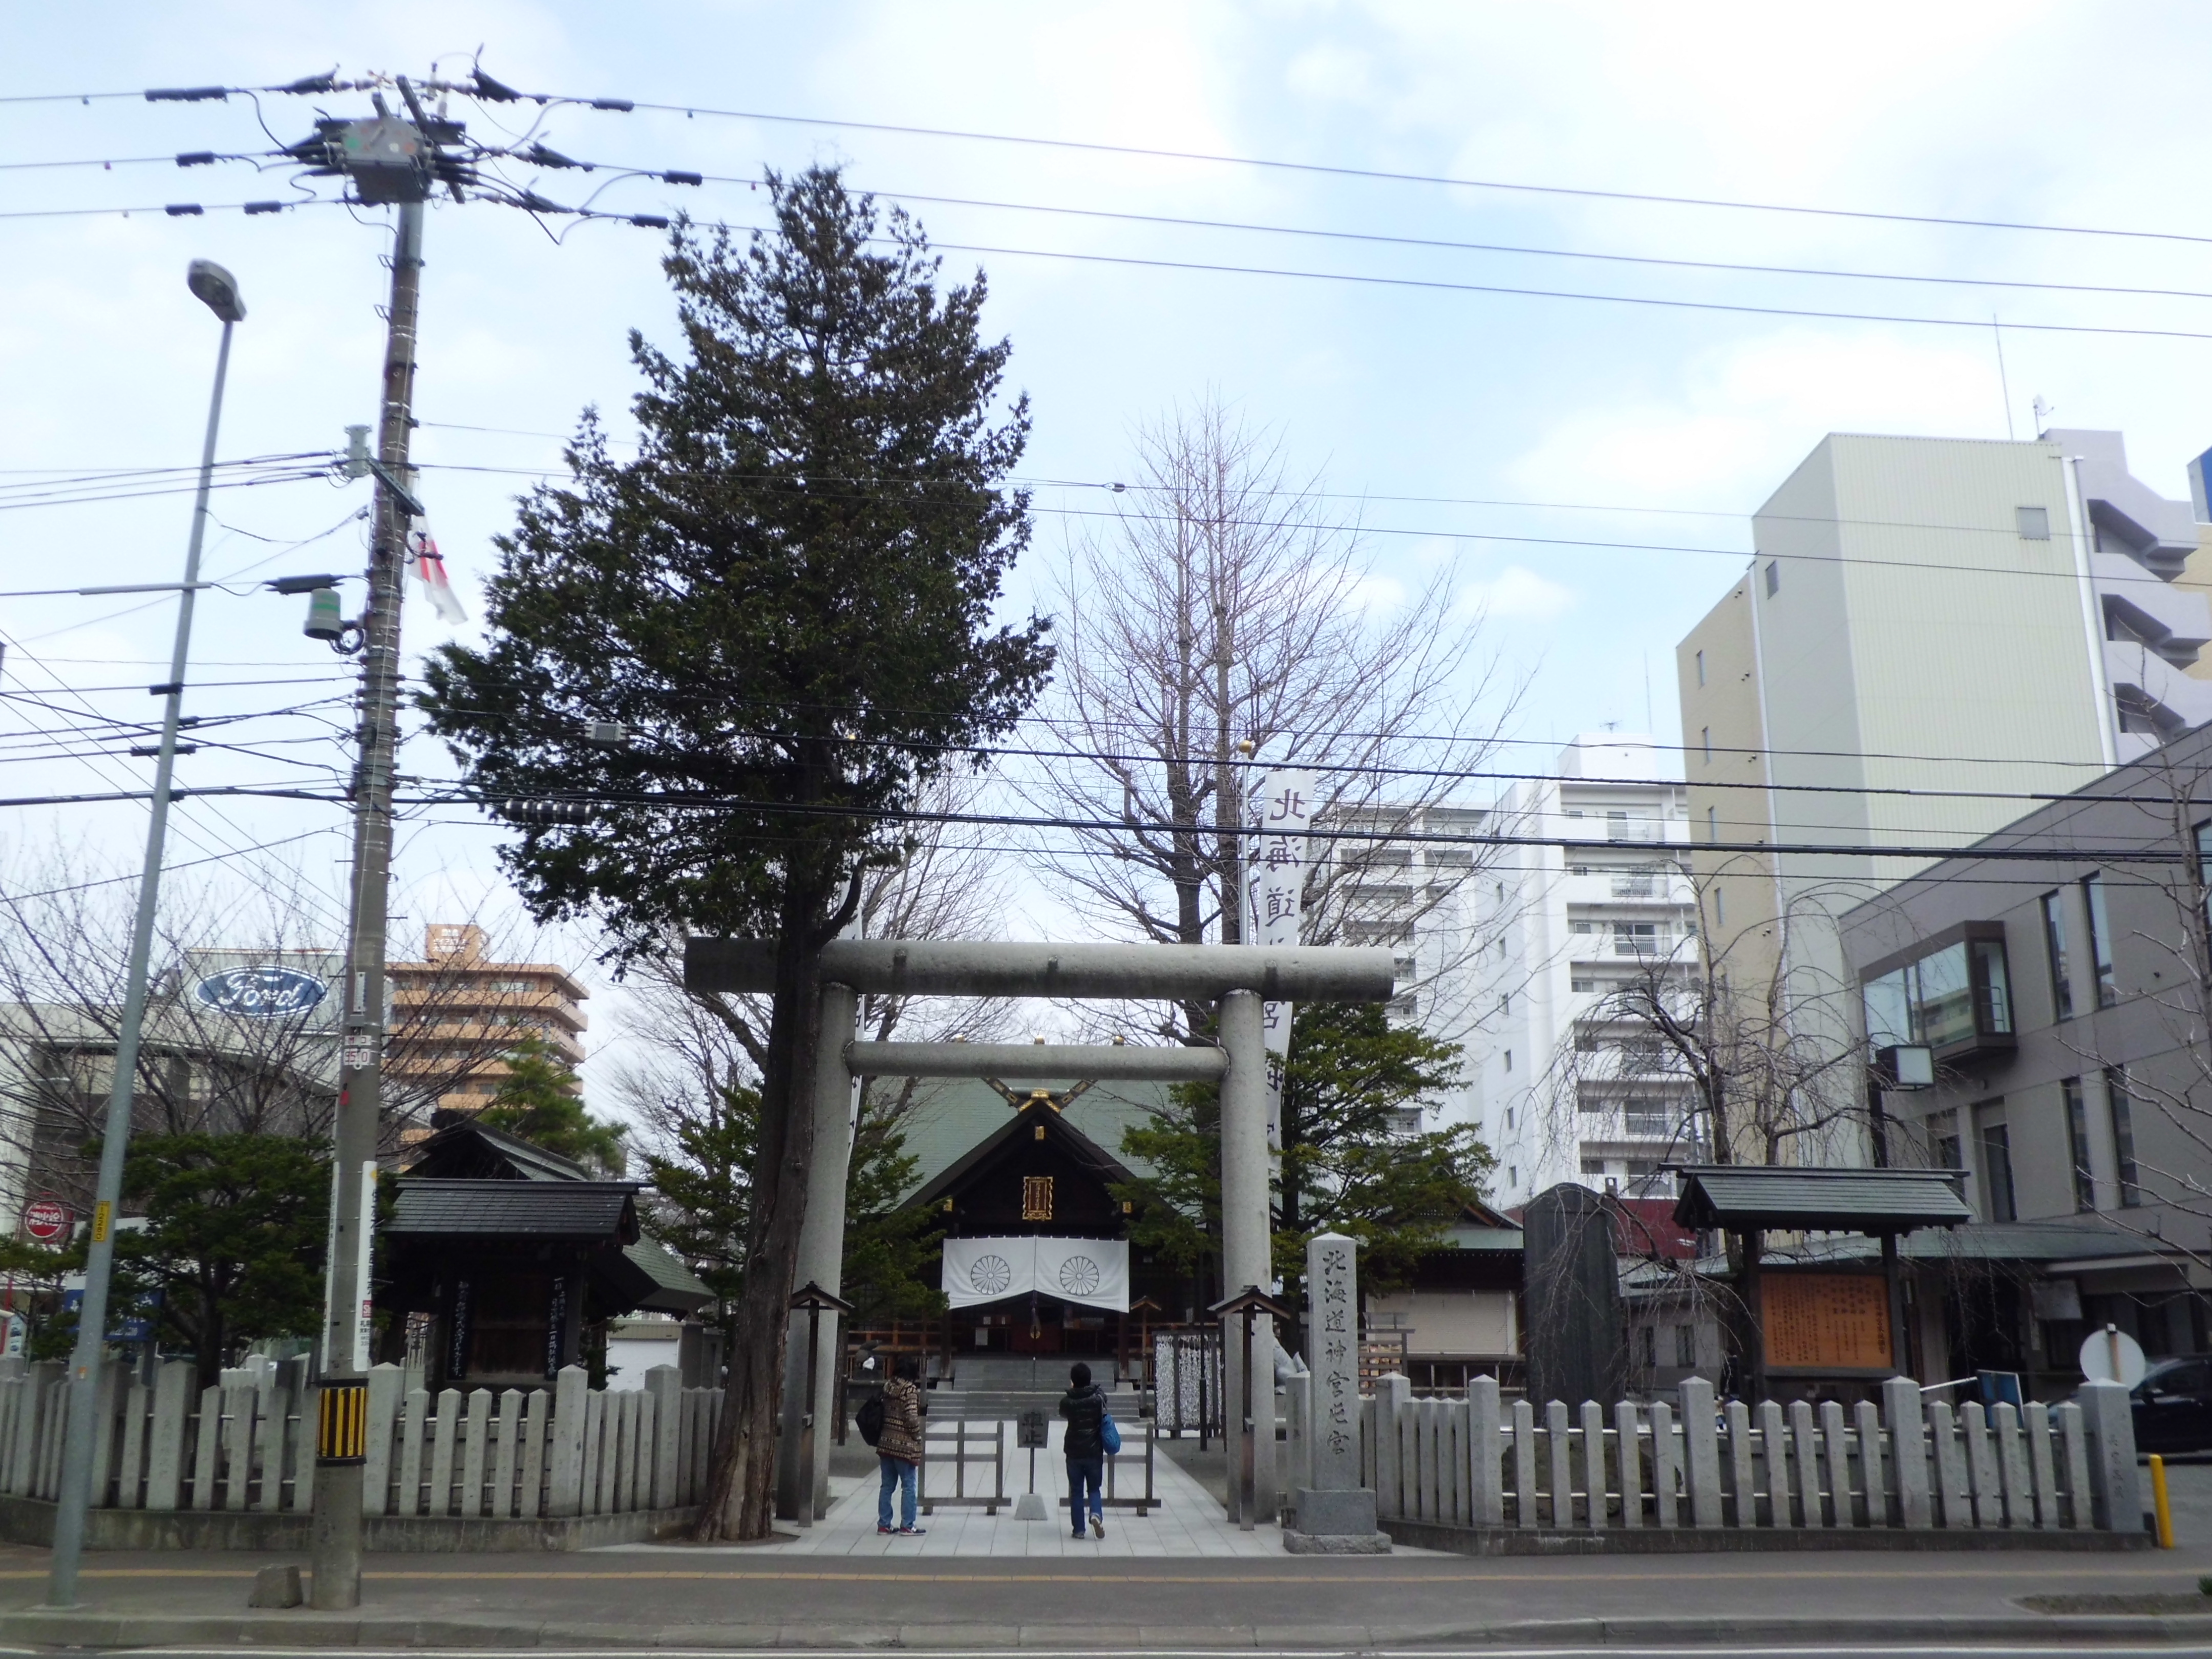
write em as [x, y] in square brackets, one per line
[1282, 810]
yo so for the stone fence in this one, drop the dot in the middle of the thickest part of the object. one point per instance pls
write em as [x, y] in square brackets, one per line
[247, 1445]
[1910, 1464]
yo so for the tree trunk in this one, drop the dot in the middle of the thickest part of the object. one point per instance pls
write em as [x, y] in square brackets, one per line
[740, 1503]
[207, 1370]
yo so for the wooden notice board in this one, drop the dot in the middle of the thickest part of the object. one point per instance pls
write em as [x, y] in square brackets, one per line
[1826, 1321]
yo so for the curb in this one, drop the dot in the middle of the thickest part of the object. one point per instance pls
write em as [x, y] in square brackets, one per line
[2070, 1632]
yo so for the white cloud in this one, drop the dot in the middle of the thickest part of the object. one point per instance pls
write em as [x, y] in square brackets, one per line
[1517, 594]
[1744, 416]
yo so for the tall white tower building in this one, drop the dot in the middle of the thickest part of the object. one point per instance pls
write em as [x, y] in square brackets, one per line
[1558, 1095]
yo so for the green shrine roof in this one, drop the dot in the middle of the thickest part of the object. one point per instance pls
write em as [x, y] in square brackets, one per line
[949, 1118]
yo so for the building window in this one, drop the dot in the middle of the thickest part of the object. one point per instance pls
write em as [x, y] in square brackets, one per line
[1997, 1166]
[2077, 1143]
[1508, 1117]
[2100, 940]
[1647, 1340]
[1509, 1060]
[1956, 998]
[2034, 523]
[2054, 945]
[1720, 907]
[2204, 865]
[1773, 577]
[2120, 1104]
[1581, 869]
[1706, 737]
[1505, 1005]
[1712, 825]
[1701, 668]
[1943, 1140]
[1513, 1175]
[1686, 1346]
[1582, 985]
[1592, 1166]
[1036, 1198]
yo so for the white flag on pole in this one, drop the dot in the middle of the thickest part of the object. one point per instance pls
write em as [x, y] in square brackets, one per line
[429, 566]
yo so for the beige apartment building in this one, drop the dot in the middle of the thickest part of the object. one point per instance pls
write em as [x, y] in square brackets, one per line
[1932, 635]
[464, 1010]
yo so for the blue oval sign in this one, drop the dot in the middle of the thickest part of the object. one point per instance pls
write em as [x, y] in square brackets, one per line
[262, 992]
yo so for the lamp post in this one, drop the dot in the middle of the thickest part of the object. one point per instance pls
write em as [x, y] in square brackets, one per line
[218, 290]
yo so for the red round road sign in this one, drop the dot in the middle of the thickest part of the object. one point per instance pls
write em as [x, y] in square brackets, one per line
[46, 1219]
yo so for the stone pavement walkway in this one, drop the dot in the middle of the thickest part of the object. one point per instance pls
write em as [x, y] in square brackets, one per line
[1188, 1524]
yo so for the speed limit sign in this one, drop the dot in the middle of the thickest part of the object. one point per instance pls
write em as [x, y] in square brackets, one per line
[45, 1220]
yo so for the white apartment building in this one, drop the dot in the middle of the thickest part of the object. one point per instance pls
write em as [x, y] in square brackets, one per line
[1557, 1094]
[1931, 632]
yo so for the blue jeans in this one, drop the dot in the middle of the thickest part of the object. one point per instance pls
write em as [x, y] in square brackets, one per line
[898, 1472]
[1086, 1472]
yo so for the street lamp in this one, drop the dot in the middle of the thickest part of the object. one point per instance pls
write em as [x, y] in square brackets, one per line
[217, 289]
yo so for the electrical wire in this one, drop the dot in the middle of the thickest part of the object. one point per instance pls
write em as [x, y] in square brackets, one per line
[185, 209]
[1353, 532]
[1372, 175]
[1448, 245]
[1366, 836]
[167, 865]
[191, 835]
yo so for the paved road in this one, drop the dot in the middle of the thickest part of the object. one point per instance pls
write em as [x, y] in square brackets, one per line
[1945, 1651]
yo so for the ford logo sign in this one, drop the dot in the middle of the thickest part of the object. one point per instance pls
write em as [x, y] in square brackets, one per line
[262, 992]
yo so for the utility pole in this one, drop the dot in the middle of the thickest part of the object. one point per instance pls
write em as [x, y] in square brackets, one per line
[341, 1440]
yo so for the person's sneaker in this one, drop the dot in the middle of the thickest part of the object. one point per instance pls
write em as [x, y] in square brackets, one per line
[911, 1532]
[1097, 1526]
[886, 1532]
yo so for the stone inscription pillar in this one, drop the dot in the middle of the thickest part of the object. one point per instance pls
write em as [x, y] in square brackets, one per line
[1335, 1513]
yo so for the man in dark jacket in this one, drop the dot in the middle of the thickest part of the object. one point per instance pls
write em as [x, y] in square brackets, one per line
[1084, 1405]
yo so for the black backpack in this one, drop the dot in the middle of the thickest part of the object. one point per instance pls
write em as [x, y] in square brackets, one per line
[869, 1419]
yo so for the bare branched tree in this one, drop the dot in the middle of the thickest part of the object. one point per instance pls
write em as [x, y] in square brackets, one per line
[205, 1065]
[1225, 624]
[1724, 1063]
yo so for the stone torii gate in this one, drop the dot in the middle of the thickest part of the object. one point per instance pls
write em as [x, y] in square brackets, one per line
[1238, 977]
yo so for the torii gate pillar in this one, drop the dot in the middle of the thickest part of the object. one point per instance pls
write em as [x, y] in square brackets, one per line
[821, 1260]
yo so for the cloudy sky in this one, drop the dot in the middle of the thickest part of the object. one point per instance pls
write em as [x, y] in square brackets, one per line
[1453, 416]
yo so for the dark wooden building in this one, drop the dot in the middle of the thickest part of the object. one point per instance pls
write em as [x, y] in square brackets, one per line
[504, 1261]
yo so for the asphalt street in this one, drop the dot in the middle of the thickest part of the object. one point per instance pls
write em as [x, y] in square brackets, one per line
[764, 1600]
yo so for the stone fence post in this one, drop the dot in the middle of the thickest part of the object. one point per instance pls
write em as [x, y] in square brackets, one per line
[571, 1392]
[2115, 1488]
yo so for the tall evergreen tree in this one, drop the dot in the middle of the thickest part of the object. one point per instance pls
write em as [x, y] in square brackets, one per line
[787, 599]
[538, 1098]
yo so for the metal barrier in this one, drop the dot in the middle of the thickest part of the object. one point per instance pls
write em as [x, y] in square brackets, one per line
[961, 1441]
[1150, 1501]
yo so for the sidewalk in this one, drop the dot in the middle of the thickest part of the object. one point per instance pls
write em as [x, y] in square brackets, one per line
[1182, 1579]
[1188, 1525]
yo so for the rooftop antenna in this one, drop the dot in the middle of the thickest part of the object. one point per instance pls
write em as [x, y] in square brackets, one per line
[2004, 385]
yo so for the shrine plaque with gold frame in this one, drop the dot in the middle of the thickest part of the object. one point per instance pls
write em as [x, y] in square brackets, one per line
[1826, 1321]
